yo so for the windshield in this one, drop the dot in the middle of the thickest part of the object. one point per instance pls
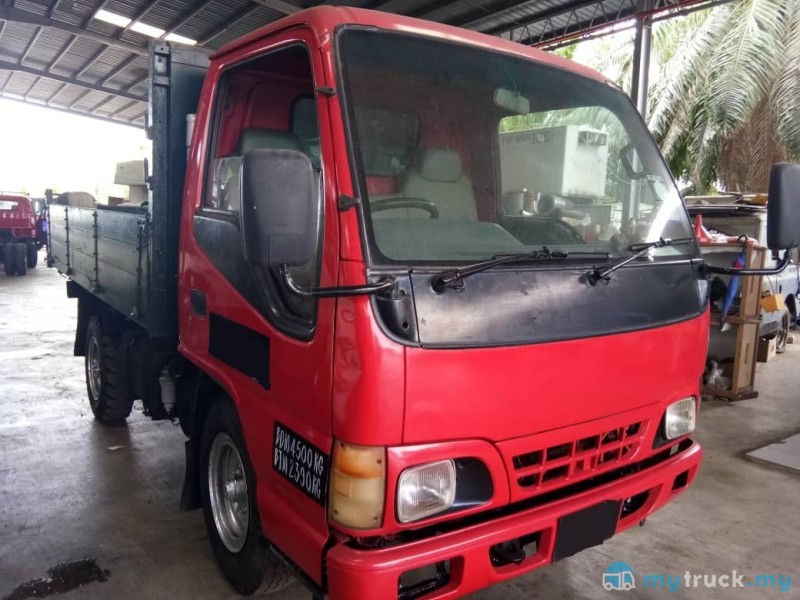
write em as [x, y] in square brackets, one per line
[477, 153]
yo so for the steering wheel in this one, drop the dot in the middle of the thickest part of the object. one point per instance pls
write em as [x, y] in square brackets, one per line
[404, 202]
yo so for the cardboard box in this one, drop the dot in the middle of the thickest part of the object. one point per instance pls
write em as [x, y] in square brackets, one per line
[766, 350]
[773, 303]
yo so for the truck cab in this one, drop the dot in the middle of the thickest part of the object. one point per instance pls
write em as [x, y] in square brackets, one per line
[18, 248]
[408, 406]
[435, 323]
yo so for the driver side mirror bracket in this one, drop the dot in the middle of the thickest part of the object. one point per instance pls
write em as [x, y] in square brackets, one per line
[787, 256]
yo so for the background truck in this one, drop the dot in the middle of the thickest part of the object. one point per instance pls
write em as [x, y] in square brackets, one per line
[18, 247]
[371, 351]
[733, 216]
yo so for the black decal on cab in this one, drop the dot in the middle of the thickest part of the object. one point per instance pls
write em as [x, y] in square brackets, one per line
[302, 463]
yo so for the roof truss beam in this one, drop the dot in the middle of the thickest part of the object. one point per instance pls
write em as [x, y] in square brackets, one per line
[138, 16]
[9, 66]
[28, 49]
[9, 13]
[215, 33]
[119, 69]
[281, 6]
[63, 52]
[74, 111]
[187, 16]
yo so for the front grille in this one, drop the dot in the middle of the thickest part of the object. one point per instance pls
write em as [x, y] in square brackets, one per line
[545, 468]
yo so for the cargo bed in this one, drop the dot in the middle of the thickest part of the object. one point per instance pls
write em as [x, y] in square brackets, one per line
[127, 256]
[105, 251]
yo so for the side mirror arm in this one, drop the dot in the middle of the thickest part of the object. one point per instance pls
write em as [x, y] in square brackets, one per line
[336, 291]
[787, 255]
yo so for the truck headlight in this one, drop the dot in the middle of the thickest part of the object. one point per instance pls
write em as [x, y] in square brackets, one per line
[680, 418]
[426, 490]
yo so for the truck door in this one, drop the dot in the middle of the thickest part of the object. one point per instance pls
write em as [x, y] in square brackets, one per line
[270, 350]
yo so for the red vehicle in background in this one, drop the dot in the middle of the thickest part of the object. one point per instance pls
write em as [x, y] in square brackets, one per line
[18, 239]
[439, 317]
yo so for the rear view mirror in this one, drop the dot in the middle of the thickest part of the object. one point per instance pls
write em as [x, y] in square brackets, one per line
[783, 207]
[629, 158]
[512, 101]
[279, 214]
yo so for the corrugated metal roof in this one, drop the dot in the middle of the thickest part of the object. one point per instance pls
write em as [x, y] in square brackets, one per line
[55, 52]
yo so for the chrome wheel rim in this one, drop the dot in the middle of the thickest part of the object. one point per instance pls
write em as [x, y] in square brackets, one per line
[227, 486]
[93, 369]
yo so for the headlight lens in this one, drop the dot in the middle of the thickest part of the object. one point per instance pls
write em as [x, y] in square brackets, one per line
[680, 419]
[426, 490]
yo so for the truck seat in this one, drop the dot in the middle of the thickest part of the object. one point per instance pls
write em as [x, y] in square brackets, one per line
[227, 168]
[253, 139]
[439, 177]
[256, 139]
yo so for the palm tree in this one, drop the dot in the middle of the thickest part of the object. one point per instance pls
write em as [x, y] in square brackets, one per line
[726, 101]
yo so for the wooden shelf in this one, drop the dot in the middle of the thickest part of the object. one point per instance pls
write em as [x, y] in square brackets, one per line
[746, 322]
[728, 394]
[734, 319]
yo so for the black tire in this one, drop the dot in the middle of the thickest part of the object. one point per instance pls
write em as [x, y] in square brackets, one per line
[10, 259]
[782, 334]
[21, 258]
[108, 398]
[245, 558]
[33, 256]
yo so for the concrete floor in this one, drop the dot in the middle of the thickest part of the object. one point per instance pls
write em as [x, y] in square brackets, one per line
[71, 489]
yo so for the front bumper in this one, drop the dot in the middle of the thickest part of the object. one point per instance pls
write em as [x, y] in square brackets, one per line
[355, 573]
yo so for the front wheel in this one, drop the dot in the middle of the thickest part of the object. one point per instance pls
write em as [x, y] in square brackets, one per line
[33, 256]
[108, 398]
[230, 509]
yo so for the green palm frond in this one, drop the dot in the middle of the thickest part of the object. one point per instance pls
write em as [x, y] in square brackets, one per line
[703, 147]
[701, 131]
[668, 35]
[612, 57]
[683, 113]
[681, 71]
[785, 95]
[725, 91]
[745, 62]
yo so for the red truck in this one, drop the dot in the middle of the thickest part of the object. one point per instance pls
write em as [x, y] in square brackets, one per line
[18, 248]
[426, 303]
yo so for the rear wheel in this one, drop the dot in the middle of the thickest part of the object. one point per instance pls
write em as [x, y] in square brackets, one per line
[10, 259]
[33, 256]
[783, 334]
[108, 397]
[230, 509]
[20, 255]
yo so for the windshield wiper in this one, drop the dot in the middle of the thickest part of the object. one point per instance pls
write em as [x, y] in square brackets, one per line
[596, 274]
[452, 277]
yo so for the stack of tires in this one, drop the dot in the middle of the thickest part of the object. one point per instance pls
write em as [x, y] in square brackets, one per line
[19, 257]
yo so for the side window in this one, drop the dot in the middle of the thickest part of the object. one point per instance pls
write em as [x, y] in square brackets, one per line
[224, 192]
[306, 128]
[264, 103]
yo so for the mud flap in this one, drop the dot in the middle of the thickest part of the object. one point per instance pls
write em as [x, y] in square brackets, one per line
[190, 495]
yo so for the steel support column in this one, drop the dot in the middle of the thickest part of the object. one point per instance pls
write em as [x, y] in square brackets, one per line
[639, 80]
[641, 56]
